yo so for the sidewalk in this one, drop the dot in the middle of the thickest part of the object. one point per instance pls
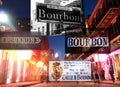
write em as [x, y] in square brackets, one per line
[117, 82]
[19, 84]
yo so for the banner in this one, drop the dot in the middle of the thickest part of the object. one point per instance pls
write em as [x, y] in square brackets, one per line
[69, 71]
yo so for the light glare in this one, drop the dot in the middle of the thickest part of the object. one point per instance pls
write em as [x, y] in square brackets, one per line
[3, 17]
[56, 55]
[45, 67]
[40, 64]
[100, 57]
[24, 54]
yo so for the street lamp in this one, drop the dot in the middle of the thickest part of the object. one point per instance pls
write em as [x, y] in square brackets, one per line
[56, 55]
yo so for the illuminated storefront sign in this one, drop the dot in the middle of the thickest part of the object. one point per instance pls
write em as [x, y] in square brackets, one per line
[88, 42]
[80, 44]
[44, 13]
[69, 71]
[20, 40]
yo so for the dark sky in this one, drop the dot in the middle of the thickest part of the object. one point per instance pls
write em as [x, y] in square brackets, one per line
[89, 6]
[57, 43]
[21, 9]
[17, 8]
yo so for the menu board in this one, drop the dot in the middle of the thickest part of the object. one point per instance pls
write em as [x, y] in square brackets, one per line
[69, 71]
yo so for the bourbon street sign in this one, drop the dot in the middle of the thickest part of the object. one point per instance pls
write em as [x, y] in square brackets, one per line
[44, 13]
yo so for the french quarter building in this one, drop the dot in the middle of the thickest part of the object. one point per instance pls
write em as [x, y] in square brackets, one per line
[11, 60]
[105, 21]
[21, 65]
[23, 24]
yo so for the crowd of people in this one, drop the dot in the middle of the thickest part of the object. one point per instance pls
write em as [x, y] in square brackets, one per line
[99, 76]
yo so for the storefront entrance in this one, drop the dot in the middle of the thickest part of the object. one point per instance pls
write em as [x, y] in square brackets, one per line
[117, 60]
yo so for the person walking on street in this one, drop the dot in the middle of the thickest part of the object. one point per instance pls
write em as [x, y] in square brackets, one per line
[112, 74]
[96, 77]
[102, 74]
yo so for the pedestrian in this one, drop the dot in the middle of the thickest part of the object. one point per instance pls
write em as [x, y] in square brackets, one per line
[102, 74]
[112, 74]
[96, 77]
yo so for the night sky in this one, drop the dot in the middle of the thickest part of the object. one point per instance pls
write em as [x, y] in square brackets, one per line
[17, 8]
[21, 9]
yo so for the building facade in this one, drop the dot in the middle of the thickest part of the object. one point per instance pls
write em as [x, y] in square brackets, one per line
[104, 21]
[23, 24]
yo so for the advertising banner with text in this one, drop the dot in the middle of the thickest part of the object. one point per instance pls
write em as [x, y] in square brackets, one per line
[69, 71]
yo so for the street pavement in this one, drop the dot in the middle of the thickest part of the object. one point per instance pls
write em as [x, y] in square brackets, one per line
[63, 84]
[73, 84]
[19, 84]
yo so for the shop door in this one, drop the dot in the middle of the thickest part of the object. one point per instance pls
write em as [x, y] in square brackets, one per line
[117, 59]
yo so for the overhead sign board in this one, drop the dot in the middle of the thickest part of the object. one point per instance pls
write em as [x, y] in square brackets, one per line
[20, 40]
[45, 13]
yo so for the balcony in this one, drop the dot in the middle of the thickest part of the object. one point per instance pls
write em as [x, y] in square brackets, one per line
[106, 20]
[102, 16]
